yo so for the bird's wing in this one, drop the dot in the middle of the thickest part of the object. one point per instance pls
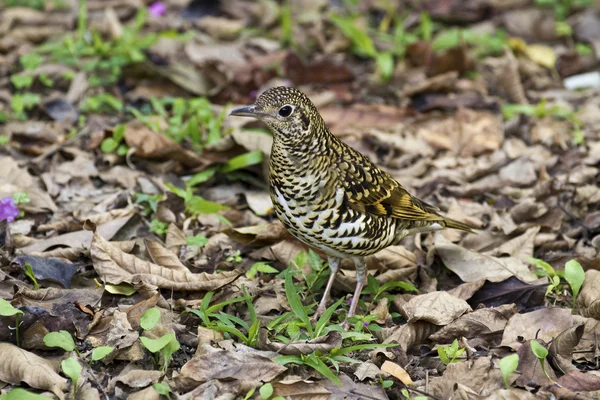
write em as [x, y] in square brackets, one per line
[369, 189]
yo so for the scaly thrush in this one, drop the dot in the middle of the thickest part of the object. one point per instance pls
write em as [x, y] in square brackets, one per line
[330, 196]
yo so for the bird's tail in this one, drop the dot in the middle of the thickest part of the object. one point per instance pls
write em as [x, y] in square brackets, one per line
[450, 223]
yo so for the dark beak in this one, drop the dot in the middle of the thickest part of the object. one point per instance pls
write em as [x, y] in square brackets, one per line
[247, 111]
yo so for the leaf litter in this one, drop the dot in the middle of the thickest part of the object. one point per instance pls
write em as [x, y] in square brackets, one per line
[132, 192]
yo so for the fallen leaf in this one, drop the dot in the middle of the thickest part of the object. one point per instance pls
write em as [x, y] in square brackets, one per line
[19, 365]
[471, 266]
[544, 324]
[396, 371]
[439, 308]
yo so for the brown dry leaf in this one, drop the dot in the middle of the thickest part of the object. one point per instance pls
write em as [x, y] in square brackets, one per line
[220, 364]
[362, 115]
[152, 145]
[483, 321]
[396, 371]
[350, 390]
[19, 365]
[324, 344]
[520, 247]
[587, 349]
[471, 266]
[14, 179]
[410, 334]
[530, 368]
[467, 133]
[544, 324]
[148, 393]
[588, 300]
[78, 239]
[164, 257]
[135, 378]
[580, 381]
[115, 267]
[113, 330]
[301, 390]
[439, 308]
[478, 375]
[392, 258]
[561, 348]
[367, 370]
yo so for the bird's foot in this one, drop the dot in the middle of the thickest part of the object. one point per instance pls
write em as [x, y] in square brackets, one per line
[315, 317]
[345, 325]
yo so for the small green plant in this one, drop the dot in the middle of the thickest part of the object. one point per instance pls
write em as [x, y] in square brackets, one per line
[101, 352]
[115, 143]
[148, 201]
[263, 267]
[7, 310]
[22, 394]
[236, 257]
[363, 45]
[159, 227]
[508, 365]
[574, 275]
[380, 291]
[563, 8]
[198, 240]
[164, 346]
[150, 318]
[102, 103]
[542, 110]
[72, 369]
[162, 389]
[28, 271]
[541, 353]
[230, 324]
[195, 204]
[22, 102]
[61, 339]
[385, 383]
[545, 269]
[449, 354]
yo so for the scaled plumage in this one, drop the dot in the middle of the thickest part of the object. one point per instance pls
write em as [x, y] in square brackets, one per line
[330, 196]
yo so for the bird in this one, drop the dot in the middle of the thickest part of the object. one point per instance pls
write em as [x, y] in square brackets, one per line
[330, 196]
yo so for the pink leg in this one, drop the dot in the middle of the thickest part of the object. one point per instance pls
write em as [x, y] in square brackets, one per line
[334, 265]
[361, 277]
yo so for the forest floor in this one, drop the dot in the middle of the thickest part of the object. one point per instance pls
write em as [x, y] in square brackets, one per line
[139, 256]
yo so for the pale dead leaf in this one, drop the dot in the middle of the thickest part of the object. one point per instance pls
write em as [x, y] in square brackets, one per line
[301, 390]
[164, 257]
[439, 308]
[479, 375]
[520, 247]
[561, 348]
[480, 322]
[467, 133]
[410, 334]
[19, 365]
[396, 371]
[587, 349]
[77, 239]
[115, 267]
[135, 378]
[589, 297]
[544, 324]
[152, 145]
[367, 370]
[471, 266]
[223, 364]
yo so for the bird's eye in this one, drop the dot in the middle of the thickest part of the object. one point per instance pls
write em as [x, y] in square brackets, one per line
[285, 111]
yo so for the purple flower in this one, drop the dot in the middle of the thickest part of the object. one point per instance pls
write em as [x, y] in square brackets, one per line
[157, 9]
[365, 324]
[8, 210]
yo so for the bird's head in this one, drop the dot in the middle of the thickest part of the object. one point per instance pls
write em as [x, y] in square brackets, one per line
[290, 115]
